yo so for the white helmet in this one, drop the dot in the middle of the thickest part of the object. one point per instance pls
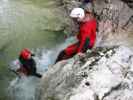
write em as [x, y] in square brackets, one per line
[77, 13]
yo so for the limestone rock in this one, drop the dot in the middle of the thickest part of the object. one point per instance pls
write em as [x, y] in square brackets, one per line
[98, 76]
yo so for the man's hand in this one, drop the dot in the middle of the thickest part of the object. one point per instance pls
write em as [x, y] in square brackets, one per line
[81, 54]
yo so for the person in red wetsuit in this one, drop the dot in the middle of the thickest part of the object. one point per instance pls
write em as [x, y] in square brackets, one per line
[86, 37]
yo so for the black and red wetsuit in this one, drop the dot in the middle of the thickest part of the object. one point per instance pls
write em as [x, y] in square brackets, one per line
[86, 40]
[28, 67]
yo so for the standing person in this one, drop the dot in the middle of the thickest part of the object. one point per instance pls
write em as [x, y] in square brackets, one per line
[27, 64]
[86, 37]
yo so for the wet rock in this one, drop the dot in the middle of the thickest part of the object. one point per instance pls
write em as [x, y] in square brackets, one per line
[76, 80]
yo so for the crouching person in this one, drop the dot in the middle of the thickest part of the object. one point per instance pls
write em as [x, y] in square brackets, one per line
[87, 34]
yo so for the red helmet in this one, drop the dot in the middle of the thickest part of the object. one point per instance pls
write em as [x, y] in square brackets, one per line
[25, 53]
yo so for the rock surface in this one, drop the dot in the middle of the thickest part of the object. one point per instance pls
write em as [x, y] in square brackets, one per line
[104, 74]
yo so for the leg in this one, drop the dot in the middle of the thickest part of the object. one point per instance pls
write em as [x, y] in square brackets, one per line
[69, 52]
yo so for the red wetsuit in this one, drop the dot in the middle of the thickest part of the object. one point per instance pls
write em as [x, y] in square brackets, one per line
[87, 32]
[86, 40]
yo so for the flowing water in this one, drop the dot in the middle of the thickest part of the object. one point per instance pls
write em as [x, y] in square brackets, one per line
[33, 24]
